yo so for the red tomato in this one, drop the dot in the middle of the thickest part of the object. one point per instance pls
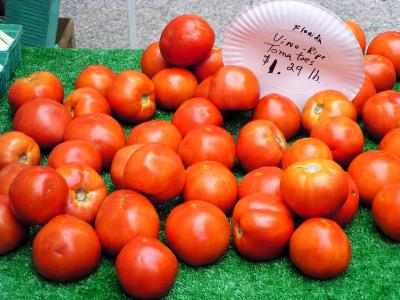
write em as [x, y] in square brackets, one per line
[208, 143]
[132, 97]
[358, 33]
[342, 135]
[391, 142]
[86, 101]
[372, 170]
[265, 180]
[18, 147]
[97, 77]
[260, 143]
[198, 232]
[210, 65]
[203, 89]
[103, 131]
[152, 61]
[234, 88]
[36, 85]
[156, 131]
[367, 91]
[212, 182]
[123, 216]
[186, 40]
[66, 249]
[320, 248]
[196, 112]
[314, 188]
[381, 71]
[262, 226]
[7, 175]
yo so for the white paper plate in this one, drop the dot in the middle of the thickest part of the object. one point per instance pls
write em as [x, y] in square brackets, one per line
[295, 48]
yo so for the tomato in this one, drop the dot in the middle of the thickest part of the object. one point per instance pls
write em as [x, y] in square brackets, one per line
[314, 188]
[155, 170]
[367, 91]
[372, 170]
[66, 249]
[234, 88]
[208, 143]
[320, 248]
[281, 111]
[260, 143]
[86, 101]
[156, 131]
[195, 113]
[76, 151]
[18, 147]
[343, 137]
[36, 85]
[328, 103]
[96, 76]
[212, 182]
[87, 191]
[265, 180]
[211, 64]
[123, 216]
[358, 33]
[12, 232]
[391, 142]
[262, 226]
[173, 87]
[132, 97]
[7, 175]
[198, 232]
[203, 89]
[381, 71]
[186, 40]
[381, 113]
[152, 61]
[103, 131]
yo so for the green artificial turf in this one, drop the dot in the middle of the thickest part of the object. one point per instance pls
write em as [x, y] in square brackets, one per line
[374, 271]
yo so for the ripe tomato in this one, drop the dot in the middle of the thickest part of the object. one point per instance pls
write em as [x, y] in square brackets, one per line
[36, 85]
[66, 249]
[320, 248]
[86, 101]
[328, 103]
[234, 88]
[97, 77]
[7, 175]
[156, 131]
[155, 170]
[198, 232]
[343, 137]
[186, 40]
[173, 87]
[195, 113]
[381, 71]
[208, 143]
[16, 146]
[265, 180]
[152, 61]
[358, 33]
[132, 97]
[203, 89]
[372, 170]
[146, 268]
[103, 131]
[260, 143]
[314, 188]
[391, 142]
[367, 91]
[87, 191]
[262, 226]
[212, 182]
[123, 216]
[210, 65]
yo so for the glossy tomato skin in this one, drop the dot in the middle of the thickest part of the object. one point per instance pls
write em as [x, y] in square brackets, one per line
[358, 33]
[152, 61]
[7, 175]
[262, 226]
[381, 71]
[260, 143]
[96, 76]
[197, 232]
[123, 216]
[87, 100]
[320, 248]
[210, 65]
[186, 40]
[208, 143]
[391, 142]
[66, 249]
[203, 89]
[281, 111]
[36, 85]
[367, 91]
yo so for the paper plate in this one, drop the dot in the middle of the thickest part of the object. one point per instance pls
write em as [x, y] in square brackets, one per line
[295, 48]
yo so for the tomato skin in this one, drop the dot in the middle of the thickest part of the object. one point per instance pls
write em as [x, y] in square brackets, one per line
[391, 142]
[203, 89]
[320, 248]
[96, 76]
[84, 101]
[210, 65]
[36, 85]
[265, 180]
[262, 226]
[123, 216]
[7, 175]
[66, 249]
[152, 61]
[197, 232]
[358, 33]
[367, 91]
[186, 40]
[381, 71]
[260, 143]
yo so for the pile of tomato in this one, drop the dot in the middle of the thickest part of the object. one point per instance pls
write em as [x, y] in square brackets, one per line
[192, 157]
